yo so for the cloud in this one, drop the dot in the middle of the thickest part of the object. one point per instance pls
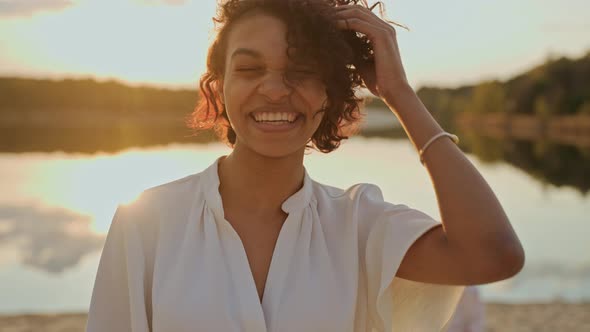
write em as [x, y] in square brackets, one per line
[48, 239]
[17, 8]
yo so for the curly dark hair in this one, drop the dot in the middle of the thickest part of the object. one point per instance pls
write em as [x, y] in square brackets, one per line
[311, 34]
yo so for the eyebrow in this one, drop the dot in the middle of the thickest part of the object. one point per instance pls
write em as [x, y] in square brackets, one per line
[246, 51]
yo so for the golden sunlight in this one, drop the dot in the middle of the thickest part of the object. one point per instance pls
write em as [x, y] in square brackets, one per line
[94, 186]
[124, 39]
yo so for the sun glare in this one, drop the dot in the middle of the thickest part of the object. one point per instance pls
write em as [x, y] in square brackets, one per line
[124, 39]
[94, 186]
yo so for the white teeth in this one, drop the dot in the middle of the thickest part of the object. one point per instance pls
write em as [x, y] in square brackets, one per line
[275, 117]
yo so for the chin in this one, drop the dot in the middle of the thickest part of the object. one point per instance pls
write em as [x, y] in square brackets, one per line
[275, 150]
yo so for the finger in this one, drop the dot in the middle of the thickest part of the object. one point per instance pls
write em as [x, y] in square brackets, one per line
[340, 7]
[353, 8]
[359, 8]
[361, 26]
[362, 13]
[344, 9]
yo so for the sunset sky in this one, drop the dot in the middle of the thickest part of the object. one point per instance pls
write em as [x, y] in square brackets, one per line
[164, 42]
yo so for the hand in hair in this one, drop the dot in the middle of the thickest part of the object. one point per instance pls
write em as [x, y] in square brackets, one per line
[385, 74]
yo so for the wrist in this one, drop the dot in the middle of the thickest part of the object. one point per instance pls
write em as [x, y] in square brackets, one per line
[396, 95]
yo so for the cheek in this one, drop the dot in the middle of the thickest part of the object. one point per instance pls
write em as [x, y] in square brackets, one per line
[314, 96]
[318, 99]
[315, 93]
[235, 90]
[315, 99]
[234, 95]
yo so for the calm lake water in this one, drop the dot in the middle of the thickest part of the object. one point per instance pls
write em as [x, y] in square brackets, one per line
[55, 210]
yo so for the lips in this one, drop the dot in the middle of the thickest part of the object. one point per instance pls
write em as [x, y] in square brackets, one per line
[269, 127]
[275, 116]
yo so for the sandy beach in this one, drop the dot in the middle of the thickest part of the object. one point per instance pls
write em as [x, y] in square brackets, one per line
[552, 317]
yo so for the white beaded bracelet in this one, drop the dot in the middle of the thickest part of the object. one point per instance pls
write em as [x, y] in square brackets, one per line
[453, 137]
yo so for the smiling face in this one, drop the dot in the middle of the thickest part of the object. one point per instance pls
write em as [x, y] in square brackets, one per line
[271, 102]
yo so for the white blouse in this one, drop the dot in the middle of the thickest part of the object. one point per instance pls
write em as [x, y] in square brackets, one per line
[172, 263]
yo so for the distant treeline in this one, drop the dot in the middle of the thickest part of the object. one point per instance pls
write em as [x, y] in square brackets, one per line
[81, 95]
[557, 87]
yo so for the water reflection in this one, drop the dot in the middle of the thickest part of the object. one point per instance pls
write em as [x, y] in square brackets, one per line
[59, 207]
[48, 239]
[549, 163]
[543, 282]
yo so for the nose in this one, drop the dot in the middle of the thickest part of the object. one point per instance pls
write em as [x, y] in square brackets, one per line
[274, 86]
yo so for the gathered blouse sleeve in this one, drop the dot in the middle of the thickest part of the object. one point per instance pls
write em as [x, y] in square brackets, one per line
[394, 304]
[120, 297]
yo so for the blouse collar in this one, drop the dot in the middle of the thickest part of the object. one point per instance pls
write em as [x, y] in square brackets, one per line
[210, 188]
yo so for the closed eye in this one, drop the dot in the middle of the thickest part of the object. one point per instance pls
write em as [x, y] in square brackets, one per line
[301, 74]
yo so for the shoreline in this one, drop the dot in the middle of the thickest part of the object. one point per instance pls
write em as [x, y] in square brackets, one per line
[564, 129]
[555, 316]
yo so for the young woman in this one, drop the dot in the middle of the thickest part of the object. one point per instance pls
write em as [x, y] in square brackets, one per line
[252, 243]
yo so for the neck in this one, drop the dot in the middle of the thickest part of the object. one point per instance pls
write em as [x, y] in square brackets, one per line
[258, 184]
